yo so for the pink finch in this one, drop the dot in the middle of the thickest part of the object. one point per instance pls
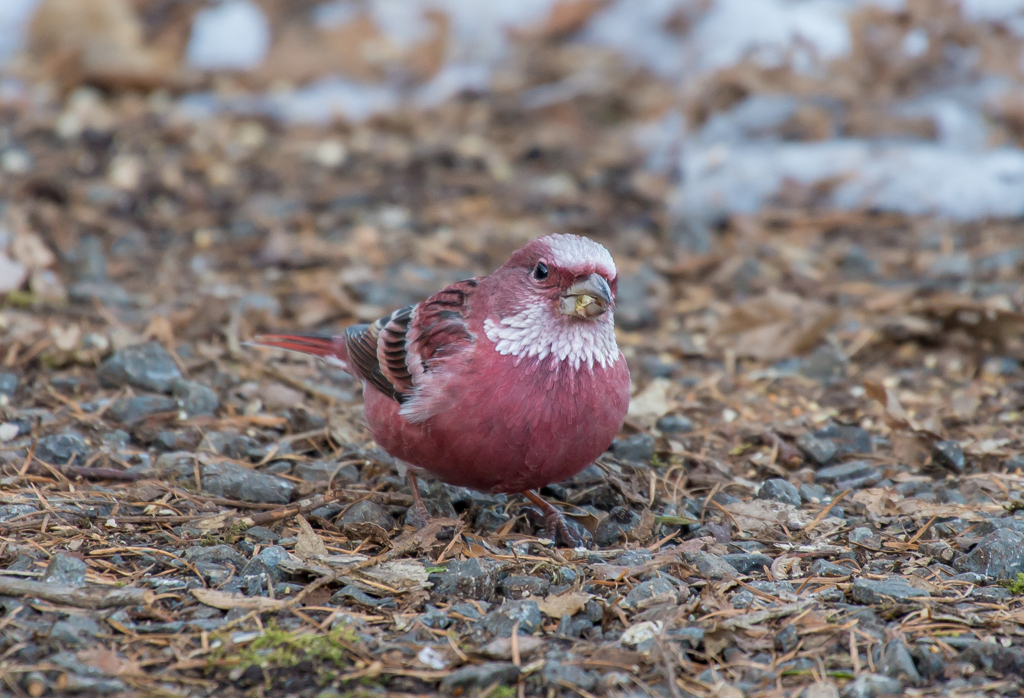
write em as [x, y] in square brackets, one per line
[502, 383]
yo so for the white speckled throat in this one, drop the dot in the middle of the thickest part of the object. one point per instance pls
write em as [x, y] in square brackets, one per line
[538, 332]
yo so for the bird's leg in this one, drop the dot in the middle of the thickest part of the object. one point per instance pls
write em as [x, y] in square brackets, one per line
[554, 521]
[417, 515]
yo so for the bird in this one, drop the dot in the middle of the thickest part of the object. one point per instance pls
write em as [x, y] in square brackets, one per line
[503, 383]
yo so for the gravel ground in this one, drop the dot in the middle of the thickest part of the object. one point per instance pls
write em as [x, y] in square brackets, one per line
[817, 492]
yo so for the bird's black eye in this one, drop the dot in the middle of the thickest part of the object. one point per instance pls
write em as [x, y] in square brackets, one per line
[541, 272]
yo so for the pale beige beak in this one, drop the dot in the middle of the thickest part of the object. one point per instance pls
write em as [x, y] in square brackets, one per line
[587, 298]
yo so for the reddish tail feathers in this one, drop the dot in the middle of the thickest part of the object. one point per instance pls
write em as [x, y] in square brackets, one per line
[330, 348]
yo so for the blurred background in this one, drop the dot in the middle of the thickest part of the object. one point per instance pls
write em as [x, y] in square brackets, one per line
[776, 177]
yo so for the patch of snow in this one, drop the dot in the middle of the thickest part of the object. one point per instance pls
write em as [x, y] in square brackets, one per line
[234, 35]
[913, 178]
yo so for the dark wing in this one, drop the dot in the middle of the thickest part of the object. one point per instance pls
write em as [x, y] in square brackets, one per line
[396, 353]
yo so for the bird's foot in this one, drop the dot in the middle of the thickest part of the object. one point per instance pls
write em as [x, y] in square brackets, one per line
[417, 515]
[556, 526]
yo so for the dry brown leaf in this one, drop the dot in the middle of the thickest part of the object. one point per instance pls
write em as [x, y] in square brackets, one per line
[108, 661]
[226, 601]
[404, 575]
[567, 604]
[308, 545]
[652, 403]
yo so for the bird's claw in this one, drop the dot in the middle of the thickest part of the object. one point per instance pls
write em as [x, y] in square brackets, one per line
[558, 528]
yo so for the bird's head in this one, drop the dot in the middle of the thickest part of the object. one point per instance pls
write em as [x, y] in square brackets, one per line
[572, 276]
[555, 298]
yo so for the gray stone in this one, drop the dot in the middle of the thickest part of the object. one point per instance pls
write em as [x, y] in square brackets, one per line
[145, 366]
[636, 300]
[475, 578]
[558, 673]
[820, 451]
[501, 620]
[813, 494]
[991, 594]
[872, 686]
[62, 449]
[955, 265]
[786, 639]
[480, 676]
[949, 454]
[266, 564]
[8, 383]
[128, 410]
[367, 511]
[861, 534]
[659, 587]
[748, 563]
[993, 657]
[65, 570]
[848, 440]
[354, 593]
[10, 511]
[75, 631]
[322, 471]
[638, 448]
[827, 364]
[779, 490]
[235, 482]
[853, 470]
[894, 589]
[824, 568]
[618, 526]
[820, 690]
[217, 554]
[898, 664]
[674, 424]
[999, 555]
[301, 419]
[520, 586]
[194, 398]
[710, 566]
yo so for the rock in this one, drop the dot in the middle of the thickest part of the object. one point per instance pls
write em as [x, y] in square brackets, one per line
[194, 398]
[367, 511]
[501, 620]
[848, 440]
[75, 631]
[8, 383]
[660, 590]
[232, 481]
[898, 664]
[638, 448]
[748, 563]
[991, 594]
[820, 690]
[144, 366]
[128, 410]
[999, 555]
[949, 454]
[475, 578]
[786, 639]
[861, 534]
[710, 566]
[267, 563]
[872, 686]
[875, 591]
[300, 420]
[827, 365]
[559, 673]
[502, 647]
[480, 676]
[66, 448]
[349, 593]
[780, 490]
[622, 524]
[217, 554]
[323, 471]
[65, 570]
[820, 451]
[519, 586]
[993, 657]
[674, 424]
[824, 568]
[847, 472]
[813, 494]
[10, 511]
[637, 299]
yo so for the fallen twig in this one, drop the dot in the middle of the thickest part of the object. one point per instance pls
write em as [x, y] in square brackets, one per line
[81, 597]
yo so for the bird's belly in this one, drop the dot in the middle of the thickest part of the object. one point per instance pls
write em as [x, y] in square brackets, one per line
[540, 427]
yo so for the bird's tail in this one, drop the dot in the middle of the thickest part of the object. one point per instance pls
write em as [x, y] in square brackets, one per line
[331, 348]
